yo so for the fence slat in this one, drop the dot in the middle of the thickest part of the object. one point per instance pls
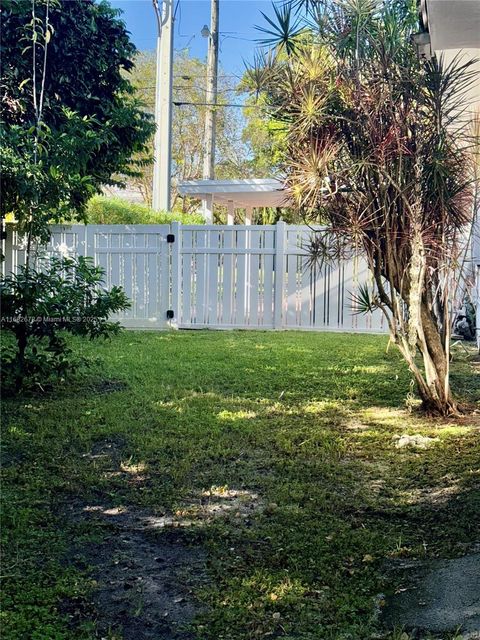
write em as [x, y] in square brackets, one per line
[279, 271]
[227, 277]
[241, 276]
[253, 278]
[267, 273]
[200, 273]
[213, 281]
[176, 274]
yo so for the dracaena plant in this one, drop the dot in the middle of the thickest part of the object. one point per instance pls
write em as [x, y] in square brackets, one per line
[377, 148]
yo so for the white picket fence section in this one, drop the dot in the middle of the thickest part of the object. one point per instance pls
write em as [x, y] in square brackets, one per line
[217, 277]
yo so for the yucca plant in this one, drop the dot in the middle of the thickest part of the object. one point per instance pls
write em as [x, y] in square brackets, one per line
[377, 148]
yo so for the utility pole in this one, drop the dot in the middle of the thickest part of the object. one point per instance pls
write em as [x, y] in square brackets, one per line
[211, 97]
[163, 106]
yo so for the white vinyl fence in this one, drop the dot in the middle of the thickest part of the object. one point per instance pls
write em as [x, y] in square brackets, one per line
[218, 277]
[136, 257]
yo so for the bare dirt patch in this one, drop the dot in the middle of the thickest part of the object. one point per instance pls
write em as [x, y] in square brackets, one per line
[110, 448]
[144, 577]
[145, 567]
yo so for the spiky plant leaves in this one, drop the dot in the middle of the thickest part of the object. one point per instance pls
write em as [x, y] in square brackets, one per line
[323, 249]
[376, 148]
[284, 31]
[364, 300]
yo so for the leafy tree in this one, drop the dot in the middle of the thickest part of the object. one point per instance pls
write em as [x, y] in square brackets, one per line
[265, 138]
[70, 121]
[70, 116]
[376, 147]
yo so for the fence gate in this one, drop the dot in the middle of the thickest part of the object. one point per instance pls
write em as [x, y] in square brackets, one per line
[136, 257]
[214, 276]
[226, 276]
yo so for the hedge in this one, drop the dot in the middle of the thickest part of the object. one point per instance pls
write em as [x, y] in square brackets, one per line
[107, 210]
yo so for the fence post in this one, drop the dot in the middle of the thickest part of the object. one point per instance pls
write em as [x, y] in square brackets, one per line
[7, 250]
[175, 273]
[280, 237]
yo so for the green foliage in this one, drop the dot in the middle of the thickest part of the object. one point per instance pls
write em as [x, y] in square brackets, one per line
[70, 115]
[338, 504]
[70, 121]
[365, 300]
[284, 29]
[45, 178]
[104, 210]
[39, 306]
[377, 146]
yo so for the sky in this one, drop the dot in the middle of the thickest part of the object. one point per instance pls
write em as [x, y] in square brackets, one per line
[238, 36]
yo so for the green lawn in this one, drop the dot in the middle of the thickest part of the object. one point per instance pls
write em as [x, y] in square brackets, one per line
[301, 423]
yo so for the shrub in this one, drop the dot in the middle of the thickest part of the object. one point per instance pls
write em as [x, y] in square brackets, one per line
[39, 307]
[103, 210]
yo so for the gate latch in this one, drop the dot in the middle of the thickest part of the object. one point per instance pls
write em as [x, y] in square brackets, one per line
[170, 237]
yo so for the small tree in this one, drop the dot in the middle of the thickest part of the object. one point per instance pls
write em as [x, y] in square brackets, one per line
[376, 148]
[40, 306]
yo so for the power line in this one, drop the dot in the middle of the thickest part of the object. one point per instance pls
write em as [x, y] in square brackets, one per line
[181, 103]
[178, 103]
[197, 88]
[204, 75]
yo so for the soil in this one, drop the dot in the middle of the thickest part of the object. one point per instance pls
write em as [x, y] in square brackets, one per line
[144, 578]
[144, 568]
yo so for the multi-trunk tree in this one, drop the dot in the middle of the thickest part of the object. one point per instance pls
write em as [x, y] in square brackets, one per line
[377, 148]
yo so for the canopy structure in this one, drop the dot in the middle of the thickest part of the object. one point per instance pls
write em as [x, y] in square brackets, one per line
[236, 194]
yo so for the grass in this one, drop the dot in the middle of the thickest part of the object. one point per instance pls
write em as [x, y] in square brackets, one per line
[303, 423]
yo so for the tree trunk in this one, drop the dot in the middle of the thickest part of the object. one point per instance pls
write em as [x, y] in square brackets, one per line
[433, 382]
[436, 394]
[21, 337]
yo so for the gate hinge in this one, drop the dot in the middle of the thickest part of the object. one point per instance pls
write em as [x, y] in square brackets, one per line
[170, 314]
[170, 237]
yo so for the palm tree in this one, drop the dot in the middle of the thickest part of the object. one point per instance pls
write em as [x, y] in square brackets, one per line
[377, 149]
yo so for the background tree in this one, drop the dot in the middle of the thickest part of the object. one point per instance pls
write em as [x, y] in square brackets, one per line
[188, 141]
[376, 147]
[70, 121]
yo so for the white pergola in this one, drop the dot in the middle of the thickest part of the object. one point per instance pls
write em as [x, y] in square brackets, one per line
[245, 194]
